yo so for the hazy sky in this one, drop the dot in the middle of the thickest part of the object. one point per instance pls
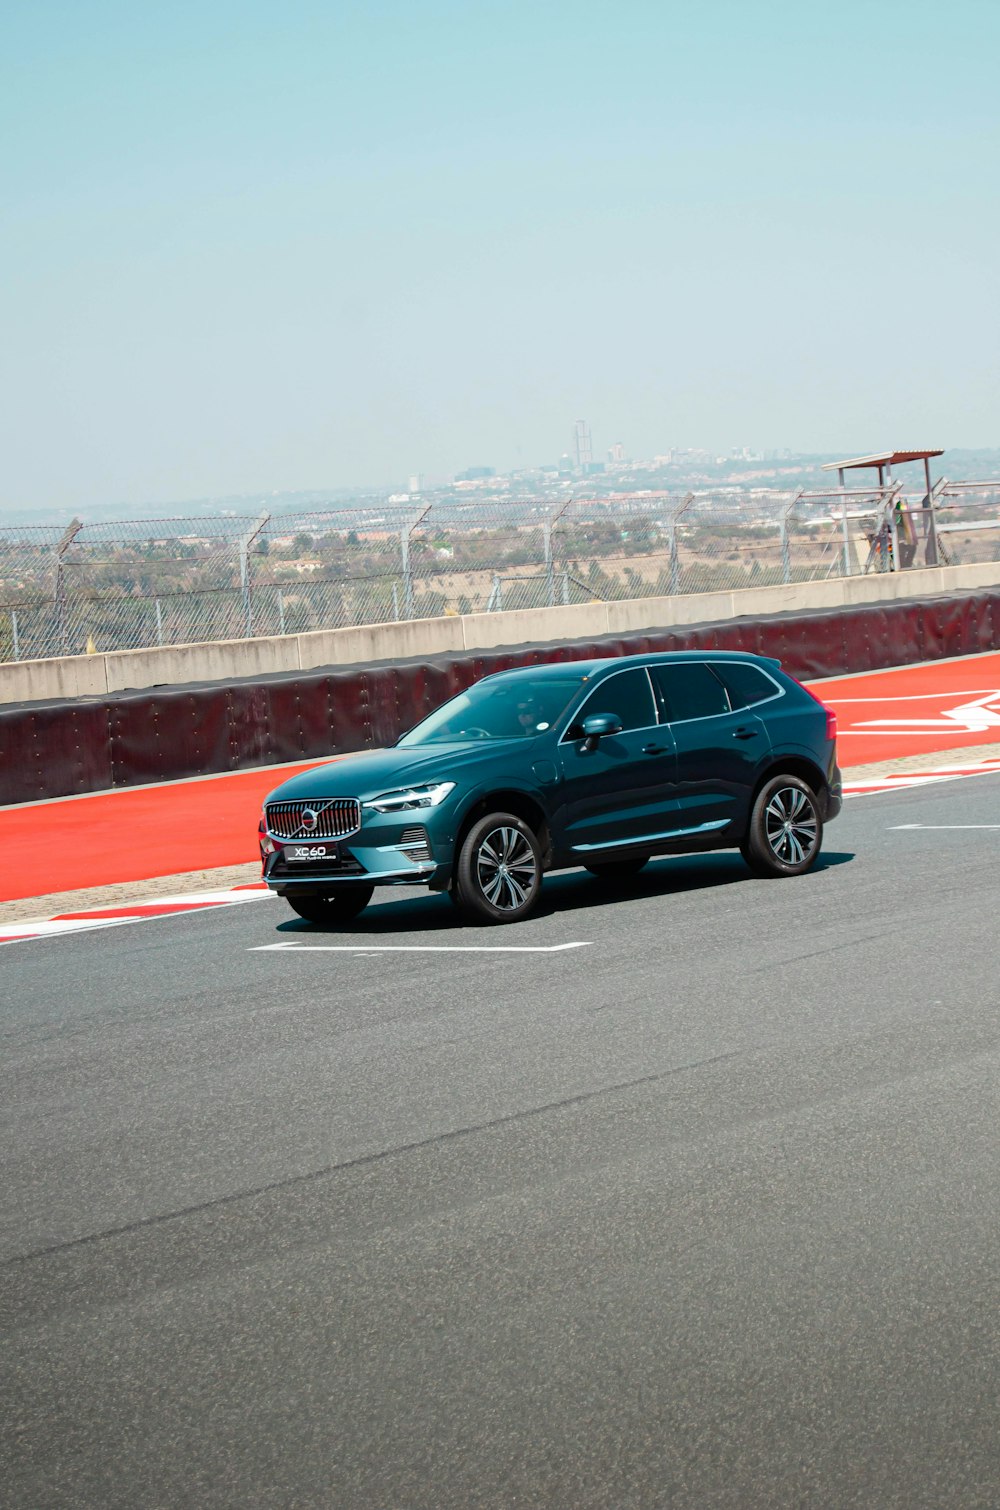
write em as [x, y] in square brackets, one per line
[264, 246]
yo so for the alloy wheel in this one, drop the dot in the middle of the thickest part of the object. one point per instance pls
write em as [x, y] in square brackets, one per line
[506, 868]
[790, 825]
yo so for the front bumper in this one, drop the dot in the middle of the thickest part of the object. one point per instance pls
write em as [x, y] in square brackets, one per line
[388, 850]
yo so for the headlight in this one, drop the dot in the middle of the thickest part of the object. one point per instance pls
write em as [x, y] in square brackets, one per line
[263, 838]
[411, 796]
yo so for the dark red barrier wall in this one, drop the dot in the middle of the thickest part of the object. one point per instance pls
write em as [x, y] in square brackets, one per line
[162, 733]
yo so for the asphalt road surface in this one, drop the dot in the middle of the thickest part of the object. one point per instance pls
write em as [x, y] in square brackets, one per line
[702, 1213]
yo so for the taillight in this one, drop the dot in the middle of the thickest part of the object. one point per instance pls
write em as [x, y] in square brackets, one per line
[831, 716]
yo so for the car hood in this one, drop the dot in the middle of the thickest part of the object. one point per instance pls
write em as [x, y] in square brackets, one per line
[374, 772]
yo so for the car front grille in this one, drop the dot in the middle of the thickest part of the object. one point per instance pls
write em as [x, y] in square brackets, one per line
[335, 818]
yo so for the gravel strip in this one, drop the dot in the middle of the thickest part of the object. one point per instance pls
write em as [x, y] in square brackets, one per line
[930, 760]
[35, 908]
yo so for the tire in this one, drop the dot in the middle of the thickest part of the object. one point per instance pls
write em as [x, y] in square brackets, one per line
[618, 872]
[338, 906]
[786, 829]
[498, 875]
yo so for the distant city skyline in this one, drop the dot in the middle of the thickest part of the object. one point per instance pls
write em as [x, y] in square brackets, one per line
[247, 249]
[677, 470]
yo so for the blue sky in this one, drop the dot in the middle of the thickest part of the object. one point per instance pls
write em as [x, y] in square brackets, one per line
[255, 247]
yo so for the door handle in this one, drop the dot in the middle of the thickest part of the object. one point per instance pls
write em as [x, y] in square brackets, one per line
[655, 749]
[745, 733]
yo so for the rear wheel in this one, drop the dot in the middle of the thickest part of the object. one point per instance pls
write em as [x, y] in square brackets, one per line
[499, 871]
[618, 872]
[786, 829]
[338, 906]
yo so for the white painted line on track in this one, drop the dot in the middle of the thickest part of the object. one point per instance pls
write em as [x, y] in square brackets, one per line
[893, 784]
[416, 948]
[902, 781]
[899, 827]
[977, 716]
[912, 697]
[116, 915]
[929, 728]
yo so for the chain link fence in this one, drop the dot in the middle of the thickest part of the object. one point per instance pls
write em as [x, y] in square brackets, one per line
[125, 585]
[119, 585]
[966, 522]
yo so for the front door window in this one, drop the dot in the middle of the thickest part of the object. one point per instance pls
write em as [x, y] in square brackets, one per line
[627, 695]
[621, 790]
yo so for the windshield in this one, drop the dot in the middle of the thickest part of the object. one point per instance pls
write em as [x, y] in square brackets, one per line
[515, 707]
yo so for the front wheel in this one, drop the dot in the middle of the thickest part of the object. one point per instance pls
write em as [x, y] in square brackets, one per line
[499, 871]
[786, 829]
[339, 906]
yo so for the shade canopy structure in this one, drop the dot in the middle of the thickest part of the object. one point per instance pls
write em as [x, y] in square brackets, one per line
[883, 462]
[880, 460]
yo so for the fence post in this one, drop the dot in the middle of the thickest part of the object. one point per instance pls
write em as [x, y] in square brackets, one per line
[159, 623]
[550, 581]
[846, 545]
[246, 578]
[846, 548]
[281, 610]
[59, 584]
[897, 565]
[404, 551]
[935, 547]
[786, 555]
[404, 554]
[13, 629]
[494, 603]
[675, 562]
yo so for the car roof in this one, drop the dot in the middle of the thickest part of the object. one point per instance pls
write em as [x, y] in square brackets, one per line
[682, 655]
[587, 669]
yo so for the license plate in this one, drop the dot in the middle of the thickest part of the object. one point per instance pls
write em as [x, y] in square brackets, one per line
[302, 854]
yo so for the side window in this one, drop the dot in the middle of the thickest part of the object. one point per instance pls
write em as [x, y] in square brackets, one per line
[626, 694]
[745, 684]
[688, 689]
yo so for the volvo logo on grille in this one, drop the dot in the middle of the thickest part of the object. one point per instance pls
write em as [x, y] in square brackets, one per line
[310, 819]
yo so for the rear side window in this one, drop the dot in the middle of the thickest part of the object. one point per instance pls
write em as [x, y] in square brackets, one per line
[688, 689]
[745, 684]
[627, 694]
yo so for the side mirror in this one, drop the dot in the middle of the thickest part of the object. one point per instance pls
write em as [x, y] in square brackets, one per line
[597, 725]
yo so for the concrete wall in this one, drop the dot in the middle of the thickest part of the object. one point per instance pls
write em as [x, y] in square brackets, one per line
[79, 675]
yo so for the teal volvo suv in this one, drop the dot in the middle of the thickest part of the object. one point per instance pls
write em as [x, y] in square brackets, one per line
[601, 764]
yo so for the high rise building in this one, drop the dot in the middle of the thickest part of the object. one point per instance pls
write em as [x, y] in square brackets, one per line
[581, 443]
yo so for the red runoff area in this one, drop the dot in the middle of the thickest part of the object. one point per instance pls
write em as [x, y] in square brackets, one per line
[915, 710]
[132, 835]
